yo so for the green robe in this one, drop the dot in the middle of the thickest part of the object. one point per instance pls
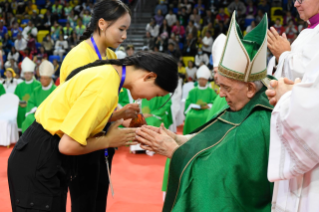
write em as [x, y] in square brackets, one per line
[219, 104]
[224, 167]
[2, 90]
[124, 98]
[24, 91]
[196, 118]
[37, 97]
[160, 114]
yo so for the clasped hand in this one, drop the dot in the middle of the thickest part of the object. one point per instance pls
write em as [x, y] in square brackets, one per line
[159, 140]
[279, 88]
[277, 44]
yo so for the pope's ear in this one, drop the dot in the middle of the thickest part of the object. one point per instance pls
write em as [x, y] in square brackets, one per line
[251, 90]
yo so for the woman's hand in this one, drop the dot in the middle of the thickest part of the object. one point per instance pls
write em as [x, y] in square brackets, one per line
[279, 88]
[120, 136]
[159, 142]
[114, 138]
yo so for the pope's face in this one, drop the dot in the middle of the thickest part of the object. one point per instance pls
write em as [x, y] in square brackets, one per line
[235, 92]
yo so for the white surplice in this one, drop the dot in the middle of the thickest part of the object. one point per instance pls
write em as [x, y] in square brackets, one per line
[294, 146]
[303, 50]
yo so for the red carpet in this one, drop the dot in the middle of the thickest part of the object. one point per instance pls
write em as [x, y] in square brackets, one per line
[137, 181]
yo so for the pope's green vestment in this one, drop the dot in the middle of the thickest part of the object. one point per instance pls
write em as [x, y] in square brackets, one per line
[196, 118]
[224, 167]
[37, 97]
[219, 104]
[161, 113]
[2, 90]
[24, 91]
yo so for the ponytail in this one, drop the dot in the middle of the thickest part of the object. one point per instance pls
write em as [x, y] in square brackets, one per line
[163, 65]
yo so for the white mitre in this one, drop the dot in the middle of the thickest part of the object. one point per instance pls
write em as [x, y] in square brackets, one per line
[203, 72]
[46, 69]
[245, 58]
[27, 65]
[217, 48]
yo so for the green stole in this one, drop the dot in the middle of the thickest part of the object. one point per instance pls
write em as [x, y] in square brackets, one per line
[24, 91]
[224, 167]
[37, 97]
[2, 90]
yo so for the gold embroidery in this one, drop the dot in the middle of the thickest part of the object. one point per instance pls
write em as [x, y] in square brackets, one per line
[238, 76]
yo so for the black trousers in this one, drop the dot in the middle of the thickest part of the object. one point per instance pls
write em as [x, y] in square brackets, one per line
[89, 189]
[38, 172]
[39, 175]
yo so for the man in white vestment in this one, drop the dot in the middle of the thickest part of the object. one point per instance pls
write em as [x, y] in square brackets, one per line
[292, 60]
[294, 147]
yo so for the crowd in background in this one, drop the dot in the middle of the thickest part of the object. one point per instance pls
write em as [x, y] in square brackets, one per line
[41, 29]
[187, 28]
[48, 29]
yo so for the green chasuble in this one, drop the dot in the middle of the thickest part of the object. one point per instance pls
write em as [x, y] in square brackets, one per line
[224, 166]
[37, 97]
[124, 98]
[160, 114]
[24, 91]
[196, 118]
[2, 90]
[219, 104]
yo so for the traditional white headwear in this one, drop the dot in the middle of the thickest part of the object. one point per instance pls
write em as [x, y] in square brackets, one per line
[203, 72]
[245, 58]
[46, 69]
[27, 65]
[217, 48]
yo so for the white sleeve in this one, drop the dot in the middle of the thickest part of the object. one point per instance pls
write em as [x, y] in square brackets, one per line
[294, 146]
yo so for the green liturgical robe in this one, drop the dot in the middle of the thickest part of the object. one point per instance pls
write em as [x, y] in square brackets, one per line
[2, 90]
[224, 166]
[124, 98]
[37, 97]
[219, 104]
[196, 118]
[24, 91]
[159, 114]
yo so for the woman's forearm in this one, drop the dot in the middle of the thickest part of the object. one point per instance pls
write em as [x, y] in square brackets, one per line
[68, 146]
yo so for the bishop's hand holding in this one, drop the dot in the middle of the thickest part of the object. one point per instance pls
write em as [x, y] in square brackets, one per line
[277, 44]
[159, 142]
[157, 129]
[129, 111]
[279, 88]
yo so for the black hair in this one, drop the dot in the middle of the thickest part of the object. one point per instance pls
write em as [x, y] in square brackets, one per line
[161, 64]
[109, 10]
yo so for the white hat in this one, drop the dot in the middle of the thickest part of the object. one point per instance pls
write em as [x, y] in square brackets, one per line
[120, 54]
[203, 72]
[217, 48]
[27, 65]
[46, 69]
[245, 58]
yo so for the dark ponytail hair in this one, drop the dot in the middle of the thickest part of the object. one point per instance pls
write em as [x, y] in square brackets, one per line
[161, 64]
[109, 10]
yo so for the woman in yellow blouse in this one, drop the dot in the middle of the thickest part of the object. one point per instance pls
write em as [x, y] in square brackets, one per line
[42, 163]
[107, 28]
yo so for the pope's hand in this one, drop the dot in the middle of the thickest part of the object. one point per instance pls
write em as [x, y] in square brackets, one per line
[279, 88]
[157, 129]
[277, 44]
[159, 142]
